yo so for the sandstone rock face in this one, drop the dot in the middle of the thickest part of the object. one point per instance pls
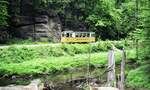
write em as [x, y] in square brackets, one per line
[26, 7]
[39, 25]
[42, 19]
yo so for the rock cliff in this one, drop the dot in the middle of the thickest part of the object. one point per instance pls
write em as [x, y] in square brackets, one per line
[42, 25]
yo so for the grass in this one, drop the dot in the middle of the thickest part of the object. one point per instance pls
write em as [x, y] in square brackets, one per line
[18, 54]
[49, 59]
[53, 64]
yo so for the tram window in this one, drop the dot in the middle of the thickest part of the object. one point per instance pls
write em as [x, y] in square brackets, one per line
[92, 35]
[77, 35]
[80, 34]
[84, 34]
[88, 35]
[70, 35]
[67, 35]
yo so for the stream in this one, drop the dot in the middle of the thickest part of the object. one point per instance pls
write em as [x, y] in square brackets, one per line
[73, 79]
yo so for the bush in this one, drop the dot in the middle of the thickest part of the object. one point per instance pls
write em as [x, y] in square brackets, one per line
[17, 54]
[3, 13]
[73, 49]
[57, 64]
[139, 77]
[19, 41]
[49, 51]
[81, 48]
[106, 45]
[70, 49]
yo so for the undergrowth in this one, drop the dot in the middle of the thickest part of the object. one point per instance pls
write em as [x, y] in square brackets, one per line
[22, 60]
[139, 78]
[17, 54]
[54, 64]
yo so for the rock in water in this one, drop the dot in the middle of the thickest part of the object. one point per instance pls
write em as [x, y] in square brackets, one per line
[35, 85]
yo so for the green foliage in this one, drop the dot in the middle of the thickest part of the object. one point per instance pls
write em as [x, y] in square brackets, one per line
[136, 35]
[101, 16]
[101, 46]
[20, 54]
[109, 19]
[3, 13]
[111, 22]
[19, 41]
[16, 55]
[128, 21]
[139, 78]
[49, 51]
[146, 27]
[56, 64]
[75, 48]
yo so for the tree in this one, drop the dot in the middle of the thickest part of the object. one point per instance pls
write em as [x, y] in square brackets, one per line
[146, 27]
[3, 13]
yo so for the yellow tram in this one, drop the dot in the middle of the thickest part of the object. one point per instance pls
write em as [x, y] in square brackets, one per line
[73, 37]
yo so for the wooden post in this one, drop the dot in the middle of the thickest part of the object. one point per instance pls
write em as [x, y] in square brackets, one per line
[123, 70]
[111, 77]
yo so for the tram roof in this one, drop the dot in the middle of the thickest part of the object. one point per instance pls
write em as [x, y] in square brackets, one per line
[78, 32]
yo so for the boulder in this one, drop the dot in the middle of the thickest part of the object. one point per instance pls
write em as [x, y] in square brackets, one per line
[35, 85]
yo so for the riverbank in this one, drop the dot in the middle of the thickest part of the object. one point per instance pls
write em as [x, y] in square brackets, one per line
[46, 65]
[27, 62]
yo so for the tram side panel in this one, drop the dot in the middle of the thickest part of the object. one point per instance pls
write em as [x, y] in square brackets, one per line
[78, 39]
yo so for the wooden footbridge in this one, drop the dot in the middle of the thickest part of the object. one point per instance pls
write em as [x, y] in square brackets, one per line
[114, 83]
[103, 88]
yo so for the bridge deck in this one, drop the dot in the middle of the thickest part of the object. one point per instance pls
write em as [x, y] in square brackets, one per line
[103, 88]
